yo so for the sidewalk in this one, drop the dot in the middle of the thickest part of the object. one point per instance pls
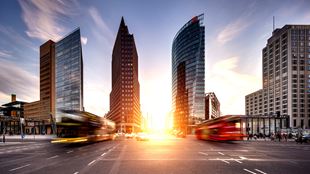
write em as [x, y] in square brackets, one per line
[17, 138]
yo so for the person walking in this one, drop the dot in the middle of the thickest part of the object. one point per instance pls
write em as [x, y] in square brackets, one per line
[3, 137]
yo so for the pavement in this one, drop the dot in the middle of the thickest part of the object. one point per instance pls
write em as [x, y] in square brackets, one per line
[158, 155]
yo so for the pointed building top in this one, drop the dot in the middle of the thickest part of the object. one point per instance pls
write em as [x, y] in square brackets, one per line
[122, 21]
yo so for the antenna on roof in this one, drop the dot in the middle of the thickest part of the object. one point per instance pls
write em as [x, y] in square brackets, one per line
[273, 23]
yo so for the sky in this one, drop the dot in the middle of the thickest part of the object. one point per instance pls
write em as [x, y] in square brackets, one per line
[236, 31]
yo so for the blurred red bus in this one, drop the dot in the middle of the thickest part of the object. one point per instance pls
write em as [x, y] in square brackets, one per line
[225, 128]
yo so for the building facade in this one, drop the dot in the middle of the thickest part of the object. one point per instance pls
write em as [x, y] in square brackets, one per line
[125, 94]
[212, 106]
[286, 76]
[69, 73]
[10, 116]
[254, 103]
[189, 48]
[181, 108]
[47, 79]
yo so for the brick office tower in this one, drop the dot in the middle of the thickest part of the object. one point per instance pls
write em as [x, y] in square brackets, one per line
[125, 94]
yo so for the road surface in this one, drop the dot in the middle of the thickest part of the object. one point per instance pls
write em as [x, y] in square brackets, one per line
[169, 155]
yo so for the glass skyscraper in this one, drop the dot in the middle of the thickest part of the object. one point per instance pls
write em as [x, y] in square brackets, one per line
[69, 73]
[188, 48]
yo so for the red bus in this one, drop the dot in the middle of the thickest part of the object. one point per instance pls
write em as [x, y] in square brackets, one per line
[225, 128]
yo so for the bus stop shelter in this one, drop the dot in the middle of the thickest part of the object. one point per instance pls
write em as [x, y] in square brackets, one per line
[264, 124]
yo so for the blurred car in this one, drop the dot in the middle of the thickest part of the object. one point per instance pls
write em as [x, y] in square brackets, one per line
[181, 135]
[304, 139]
[142, 136]
[129, 135]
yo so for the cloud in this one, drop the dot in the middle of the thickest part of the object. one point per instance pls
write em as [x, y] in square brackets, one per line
[236, 27]
[18, 81]
[84, 40]
[102, 30]
[5, 54]
[231, 85]
[17, 38]
[44, 18]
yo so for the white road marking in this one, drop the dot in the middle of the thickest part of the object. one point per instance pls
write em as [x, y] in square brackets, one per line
[203, 153]
[238, 161]
[70, 151]
[249, 171]
[103, 154]
[220, 153]
[52, 157]
[241, 157]
[91, 162]
[260, 171]
[19, 167]
[75, 172]
[225, 161]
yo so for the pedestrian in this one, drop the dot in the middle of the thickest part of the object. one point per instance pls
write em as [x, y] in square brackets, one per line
[3, 138]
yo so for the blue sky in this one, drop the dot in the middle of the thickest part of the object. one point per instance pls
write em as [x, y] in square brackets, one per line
[236, 32]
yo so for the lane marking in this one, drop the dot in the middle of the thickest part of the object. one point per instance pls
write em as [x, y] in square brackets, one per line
[249, 171]
[241, 157]
[70, 151]
[103, 154]
[203, 153]
[52, 157]
[75, 172]
[226, 161]
[19, 167]
[220, 153]
[91, 162]
[238, 161]
[260, 171]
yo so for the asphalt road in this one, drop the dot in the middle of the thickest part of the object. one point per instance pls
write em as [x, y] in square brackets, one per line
[170, 155]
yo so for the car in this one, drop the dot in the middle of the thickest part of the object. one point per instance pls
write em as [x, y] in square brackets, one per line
[142, 136]
[129, 135]
[304, 139]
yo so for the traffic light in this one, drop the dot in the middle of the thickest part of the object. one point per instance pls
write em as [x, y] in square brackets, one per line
[278, 113]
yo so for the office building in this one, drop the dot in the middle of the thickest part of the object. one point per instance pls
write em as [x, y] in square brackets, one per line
[125, 94]
[286, 77]
[255, 102]
[69, 73]
[44, 108]
[212, 106]
[188, 52]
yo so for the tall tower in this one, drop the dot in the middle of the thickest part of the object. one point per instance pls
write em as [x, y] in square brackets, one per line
[69, 73]
[125, 94]
[47, 78]
[189, 47]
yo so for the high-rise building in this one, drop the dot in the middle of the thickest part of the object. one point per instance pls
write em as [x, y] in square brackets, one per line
[125, 94]
[69, 73]
[212, 106]
[47, 79]
[45, 107]
[181, 108]
[188, 48]
[286, 76]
